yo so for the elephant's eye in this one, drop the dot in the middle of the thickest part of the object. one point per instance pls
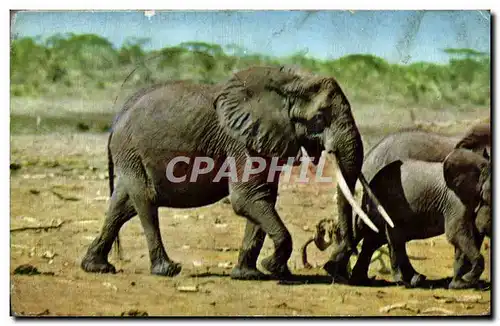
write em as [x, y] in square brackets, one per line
[317, 124]
[290, 101]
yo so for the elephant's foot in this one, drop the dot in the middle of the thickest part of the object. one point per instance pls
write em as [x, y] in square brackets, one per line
[459, 283]
[475, 273]
[276, 269]
[417, 280]
[166, 268]
[338, 271]
[246, 273]
[92, 264]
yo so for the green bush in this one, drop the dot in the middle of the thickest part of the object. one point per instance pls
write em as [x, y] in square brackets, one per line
[81, 64]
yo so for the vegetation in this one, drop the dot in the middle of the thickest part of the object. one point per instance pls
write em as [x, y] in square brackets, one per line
[82, 64]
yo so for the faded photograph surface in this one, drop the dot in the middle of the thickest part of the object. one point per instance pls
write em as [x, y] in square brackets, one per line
[250, 163]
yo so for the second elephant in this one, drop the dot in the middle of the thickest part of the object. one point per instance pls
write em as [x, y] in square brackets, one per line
[427, 199]
[406, 145]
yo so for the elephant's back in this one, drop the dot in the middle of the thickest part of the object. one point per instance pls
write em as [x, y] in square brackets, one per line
[175, 120]
[424, 185]
[174, 115]
[416, 145]
[165, 103]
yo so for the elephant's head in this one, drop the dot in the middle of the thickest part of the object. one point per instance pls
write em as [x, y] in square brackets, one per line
[274, 111]
[468, 175]
[477, 139]
[326, 233]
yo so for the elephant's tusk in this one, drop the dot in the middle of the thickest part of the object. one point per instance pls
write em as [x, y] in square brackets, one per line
[311, 169]
[348, 195]
[370, 193]
[302, 153]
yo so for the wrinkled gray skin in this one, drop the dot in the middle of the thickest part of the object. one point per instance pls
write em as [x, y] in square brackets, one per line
[416, 145]
[261, 111]
[424, 146]
[426, 199]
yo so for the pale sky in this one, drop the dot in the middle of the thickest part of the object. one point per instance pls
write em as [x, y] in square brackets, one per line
[397, 36]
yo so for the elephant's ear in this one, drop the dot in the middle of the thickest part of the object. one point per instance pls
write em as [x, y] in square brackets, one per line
[253, 108]
[387, 172]
[464, 173]
[477, 138]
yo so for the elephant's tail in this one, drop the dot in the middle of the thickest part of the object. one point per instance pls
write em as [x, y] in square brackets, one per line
[111, 168]
[111, 180]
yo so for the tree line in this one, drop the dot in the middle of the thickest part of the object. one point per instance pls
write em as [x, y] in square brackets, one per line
[83, 63]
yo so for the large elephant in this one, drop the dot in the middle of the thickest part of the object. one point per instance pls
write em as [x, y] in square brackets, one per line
[404, 145]
[261, 112]
[426, 199]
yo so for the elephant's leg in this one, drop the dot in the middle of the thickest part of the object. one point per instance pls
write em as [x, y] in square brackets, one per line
[259, 209]
[469, 263]
[276, 264]
[246, 269]
[120, 211]
[147, 210]
[337, 265]
[402, 269]
[359, 275]
[461, 263]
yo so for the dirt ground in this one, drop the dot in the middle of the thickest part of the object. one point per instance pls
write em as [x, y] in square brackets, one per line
[62, 179]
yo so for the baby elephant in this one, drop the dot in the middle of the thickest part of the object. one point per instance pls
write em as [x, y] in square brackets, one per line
[328, 232]
[427, 199]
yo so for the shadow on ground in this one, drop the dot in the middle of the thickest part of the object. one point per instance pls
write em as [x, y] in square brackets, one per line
[302, 279]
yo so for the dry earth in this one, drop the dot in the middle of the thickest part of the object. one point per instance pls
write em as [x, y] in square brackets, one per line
[62, 178]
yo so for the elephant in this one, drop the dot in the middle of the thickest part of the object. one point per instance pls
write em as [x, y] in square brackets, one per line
[425, 146]
[266, 113]
[403, 145]
[427, 199]
[327, 233]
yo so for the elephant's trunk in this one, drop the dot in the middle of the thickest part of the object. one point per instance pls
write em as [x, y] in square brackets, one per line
[345, 142]
[347, 193]
[349, 155]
